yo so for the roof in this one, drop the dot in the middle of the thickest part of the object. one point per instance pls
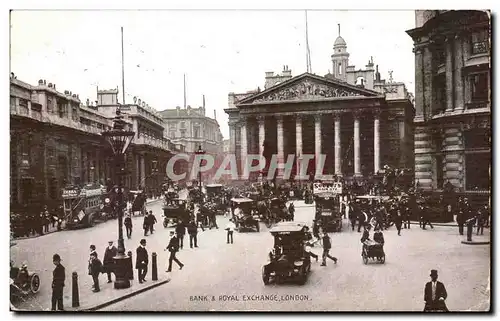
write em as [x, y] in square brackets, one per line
[325, 195]
[214, 185]
[242, 200]
[339, 42]
[288, 227]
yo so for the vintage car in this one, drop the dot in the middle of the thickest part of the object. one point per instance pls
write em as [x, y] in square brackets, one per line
[328, 211]
[174, 212]
[289, 259]
[243, 215]
[22, 282]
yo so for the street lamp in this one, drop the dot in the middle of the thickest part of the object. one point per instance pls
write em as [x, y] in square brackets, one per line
[200, 151]
[119, 138]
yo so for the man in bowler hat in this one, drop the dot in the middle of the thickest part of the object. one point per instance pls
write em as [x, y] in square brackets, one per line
[141, 261]
[435, 294]
[58, 278]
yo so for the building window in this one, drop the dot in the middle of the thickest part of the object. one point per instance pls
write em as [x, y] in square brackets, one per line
[440, 53]
[196, 132]
[439, 171]
[477, 171]
[479, 87]
[479, 42]
[183, 134]
[183, 124]
[477, 138]
[440, 92]
[340, 69]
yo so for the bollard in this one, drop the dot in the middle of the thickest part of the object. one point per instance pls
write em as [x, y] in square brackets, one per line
[470, 226]
[75, 297]
[130, 266]
[154, 271]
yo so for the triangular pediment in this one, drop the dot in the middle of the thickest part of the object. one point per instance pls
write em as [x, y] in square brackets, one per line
[307, 87]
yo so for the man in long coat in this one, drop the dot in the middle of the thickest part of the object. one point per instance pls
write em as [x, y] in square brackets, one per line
[108, 261]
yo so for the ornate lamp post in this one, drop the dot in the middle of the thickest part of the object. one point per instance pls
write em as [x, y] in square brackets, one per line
[200, 151]
[119, 138]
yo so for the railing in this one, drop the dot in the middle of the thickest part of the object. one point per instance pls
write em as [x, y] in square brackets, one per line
[478, 104]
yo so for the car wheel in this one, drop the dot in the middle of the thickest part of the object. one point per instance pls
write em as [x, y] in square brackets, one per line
[265, 276]
[35, 283]
[382, 259]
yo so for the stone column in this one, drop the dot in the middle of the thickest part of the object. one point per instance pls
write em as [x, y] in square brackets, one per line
[428, 70]
[262, 133]
[449, 75]
[243, 144]
[317, 137]
[357, 155]
[337, 145]
[458, 78]
[232, 137]
[376, 143]
[298, 142]
[143, 172]
[419, 83]
[281, 144]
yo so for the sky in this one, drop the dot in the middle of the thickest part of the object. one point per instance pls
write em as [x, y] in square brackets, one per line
[219, 51]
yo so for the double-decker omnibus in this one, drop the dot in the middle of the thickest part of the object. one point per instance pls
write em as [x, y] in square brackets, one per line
[84, 206]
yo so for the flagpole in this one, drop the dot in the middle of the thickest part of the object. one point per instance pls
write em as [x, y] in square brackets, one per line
[123, 71]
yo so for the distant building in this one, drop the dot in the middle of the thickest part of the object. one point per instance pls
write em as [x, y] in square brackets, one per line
[192, 128]
[55, 141]
[360, 121]
[453, 99]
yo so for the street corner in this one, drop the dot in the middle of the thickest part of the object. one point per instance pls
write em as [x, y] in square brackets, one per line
[109, 296]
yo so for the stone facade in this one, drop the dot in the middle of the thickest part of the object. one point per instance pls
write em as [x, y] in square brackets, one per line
[453, 104]
[56, 140]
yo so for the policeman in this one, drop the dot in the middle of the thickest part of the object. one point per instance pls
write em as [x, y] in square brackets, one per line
[58, 278]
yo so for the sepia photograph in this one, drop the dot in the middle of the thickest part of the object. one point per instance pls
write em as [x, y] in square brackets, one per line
[250, 160]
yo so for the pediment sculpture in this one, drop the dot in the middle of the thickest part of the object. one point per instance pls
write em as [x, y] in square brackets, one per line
[307, 90]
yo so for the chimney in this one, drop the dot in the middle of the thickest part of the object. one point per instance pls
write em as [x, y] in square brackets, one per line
[215, 114]
[377, 74]
[44, 82]
[54, 86]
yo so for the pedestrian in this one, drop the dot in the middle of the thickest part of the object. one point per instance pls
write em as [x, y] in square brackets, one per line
[58, 278]
[352, 215]
[481, 218]
[309, 244]
[173, 248]
[193, 234]
[46, 220]
[152, 222]
[146, 225]
[398, 221]
[40, 223]
[470, 227]
[128, 226]
[212, 218]
[95, 269]
[435, 294]
[108, 260]
[327, 245]
[315, 229]
[230, 227]
[425, 212]
[141, 261]
[291, 211]
[180, 230]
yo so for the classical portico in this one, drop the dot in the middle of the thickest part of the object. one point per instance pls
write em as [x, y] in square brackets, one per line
[314, 115]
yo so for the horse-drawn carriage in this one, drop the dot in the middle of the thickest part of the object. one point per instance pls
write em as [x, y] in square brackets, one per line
[174, 212]
[22, 282]
[216, 197]
[289, 258]
[243, 215]
[328, 211]
[138, 199]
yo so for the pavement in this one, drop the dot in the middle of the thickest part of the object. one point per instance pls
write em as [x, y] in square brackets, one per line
[226, 277]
